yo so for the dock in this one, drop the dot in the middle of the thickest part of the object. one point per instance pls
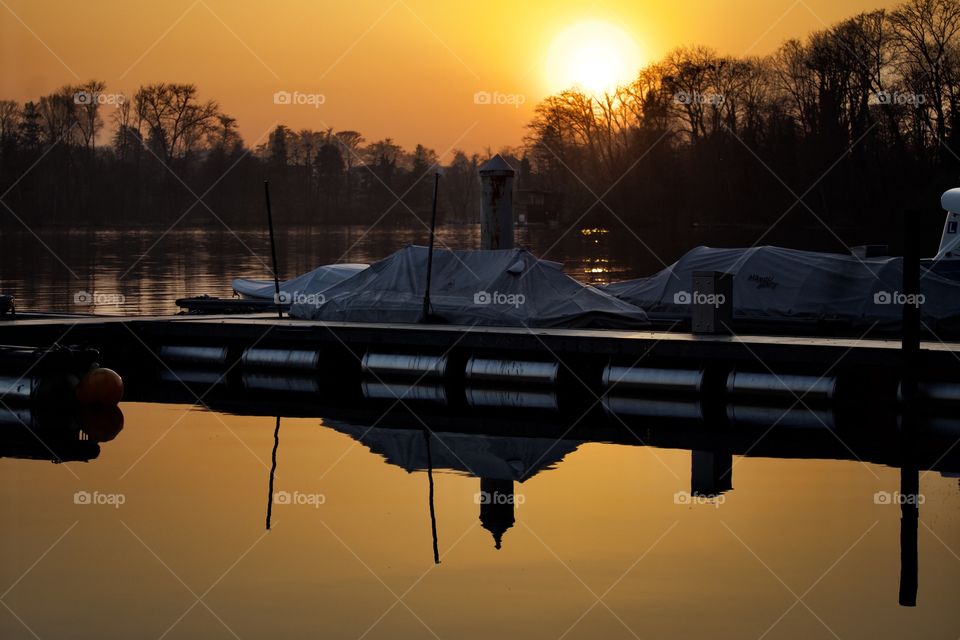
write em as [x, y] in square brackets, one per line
[586, 361]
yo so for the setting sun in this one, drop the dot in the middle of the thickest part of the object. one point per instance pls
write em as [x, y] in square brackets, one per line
[593, 56]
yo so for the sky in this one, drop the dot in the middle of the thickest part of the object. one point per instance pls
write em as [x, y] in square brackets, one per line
[449, 75]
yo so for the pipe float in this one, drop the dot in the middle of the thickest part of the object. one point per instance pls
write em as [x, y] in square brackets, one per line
[496, 370]
[299, 359]
[189, 354]
[946, 392]
[17, 389]
[804, 387]
[404, 365]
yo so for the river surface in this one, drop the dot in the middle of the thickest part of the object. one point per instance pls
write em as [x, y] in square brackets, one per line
[163, 535]
[144, 272]
[160, 531]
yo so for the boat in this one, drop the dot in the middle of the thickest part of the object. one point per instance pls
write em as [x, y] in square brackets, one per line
[318, 279]
[507, 288]
[774, 288]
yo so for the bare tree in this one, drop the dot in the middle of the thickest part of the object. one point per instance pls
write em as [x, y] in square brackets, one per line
[176, 120]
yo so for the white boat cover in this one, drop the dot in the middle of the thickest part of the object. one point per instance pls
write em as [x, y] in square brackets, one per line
[485, 456]
[773, 283]
[316, 280]
[501, 288]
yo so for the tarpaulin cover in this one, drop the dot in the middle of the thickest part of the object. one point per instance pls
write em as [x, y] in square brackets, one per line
[773, 283]
[500, 288]
[316, 280]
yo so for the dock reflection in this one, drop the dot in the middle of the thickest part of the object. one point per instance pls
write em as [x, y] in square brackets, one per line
[503, 437]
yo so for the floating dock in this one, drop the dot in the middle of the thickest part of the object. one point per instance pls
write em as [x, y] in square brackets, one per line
[843, 370]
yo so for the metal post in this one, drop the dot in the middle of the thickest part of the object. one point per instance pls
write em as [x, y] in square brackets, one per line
[911, 291]
[425, 312]
[496, 204]
[273, 250]
[909, 475]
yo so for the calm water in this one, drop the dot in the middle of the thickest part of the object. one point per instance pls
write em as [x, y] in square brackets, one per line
[144, 272]
[600, 546]
[162, 534]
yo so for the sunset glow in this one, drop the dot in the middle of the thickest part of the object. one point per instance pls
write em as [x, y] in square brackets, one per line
[593, 56]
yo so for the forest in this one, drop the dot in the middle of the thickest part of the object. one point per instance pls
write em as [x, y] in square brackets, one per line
[835, 135]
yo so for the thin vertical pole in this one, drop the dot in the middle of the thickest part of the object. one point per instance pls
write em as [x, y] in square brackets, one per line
[273, 471]
[909, 474]
[273, 250]
[912, 317]
[425, 312]
[433, 513]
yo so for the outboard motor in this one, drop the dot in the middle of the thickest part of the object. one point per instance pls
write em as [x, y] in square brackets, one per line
[950, 240]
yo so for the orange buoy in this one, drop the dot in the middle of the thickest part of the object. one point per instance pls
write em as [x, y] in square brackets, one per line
[100, 387]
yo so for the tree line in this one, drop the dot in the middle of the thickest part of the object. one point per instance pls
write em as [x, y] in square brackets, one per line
[840, 131]
[843, 130]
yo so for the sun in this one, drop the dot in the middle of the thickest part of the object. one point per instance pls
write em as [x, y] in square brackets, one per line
[593, 56]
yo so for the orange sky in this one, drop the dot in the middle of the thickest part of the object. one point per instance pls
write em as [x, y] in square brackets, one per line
[407, 69]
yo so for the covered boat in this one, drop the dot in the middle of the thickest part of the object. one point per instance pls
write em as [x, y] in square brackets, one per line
[494, 287]
[773, 284]
[316, 280]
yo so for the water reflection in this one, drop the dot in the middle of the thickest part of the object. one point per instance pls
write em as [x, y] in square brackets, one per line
[402, 487]
[35, 433]
[502, 450]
